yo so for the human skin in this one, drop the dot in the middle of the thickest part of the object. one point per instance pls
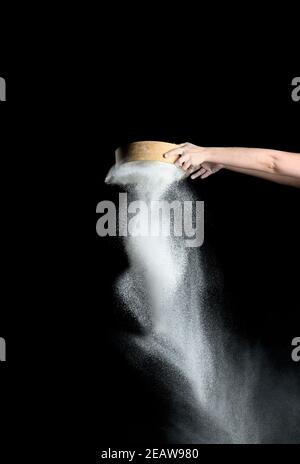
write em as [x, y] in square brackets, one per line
[277, 166]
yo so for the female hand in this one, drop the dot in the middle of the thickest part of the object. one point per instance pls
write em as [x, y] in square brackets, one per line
[194, 159]
[206, 170]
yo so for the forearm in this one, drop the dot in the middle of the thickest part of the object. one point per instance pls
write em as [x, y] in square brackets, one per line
[256, 159]
[285, 180]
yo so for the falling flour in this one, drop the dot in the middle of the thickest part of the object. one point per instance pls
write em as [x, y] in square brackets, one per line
[165, 290]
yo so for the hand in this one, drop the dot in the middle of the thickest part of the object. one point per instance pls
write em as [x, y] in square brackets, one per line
[206, 170]
[194, 159]
[190, 156]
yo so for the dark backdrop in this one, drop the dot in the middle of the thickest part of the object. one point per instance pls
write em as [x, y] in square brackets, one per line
[255, 231]
[4, 137]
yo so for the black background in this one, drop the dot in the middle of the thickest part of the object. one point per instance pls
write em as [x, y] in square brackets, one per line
[255, 224]
[256, 228]
[6, 330]
[4, 128]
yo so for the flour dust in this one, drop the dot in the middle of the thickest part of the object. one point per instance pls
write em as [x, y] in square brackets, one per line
[213, 382]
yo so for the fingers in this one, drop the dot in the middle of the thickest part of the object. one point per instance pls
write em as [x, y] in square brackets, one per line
[198, 173]
[175, 152]
[206, 174]
[203, 173]
[187, 165]
[192, 169]
[184, 159]
[188, 159]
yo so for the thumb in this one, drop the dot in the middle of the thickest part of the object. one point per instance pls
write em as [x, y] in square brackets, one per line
[174, 152]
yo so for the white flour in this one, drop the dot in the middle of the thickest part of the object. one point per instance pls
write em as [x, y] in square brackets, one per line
[165, 290]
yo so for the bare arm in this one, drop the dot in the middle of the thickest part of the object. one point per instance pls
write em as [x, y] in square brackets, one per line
[269, 164]
[279, 179]
[257, 159]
